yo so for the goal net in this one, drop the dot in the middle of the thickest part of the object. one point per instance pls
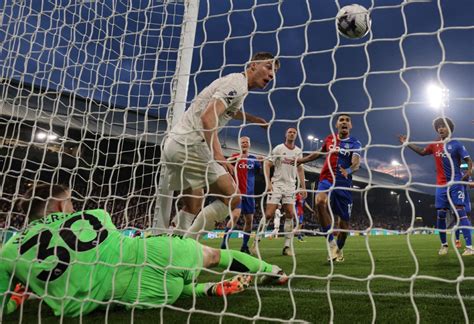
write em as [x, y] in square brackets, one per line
[89, 90]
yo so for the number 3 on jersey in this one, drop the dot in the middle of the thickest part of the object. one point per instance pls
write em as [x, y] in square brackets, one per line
[72, 241]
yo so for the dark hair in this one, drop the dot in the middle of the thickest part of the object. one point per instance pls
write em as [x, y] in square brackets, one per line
[33, 203]
[443, 121]
[291, 127]
[263, 56]
[340, 115]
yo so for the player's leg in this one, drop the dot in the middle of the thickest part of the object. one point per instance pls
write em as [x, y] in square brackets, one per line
[218, 210]
[341, 204]
[458, 196]
[290, 217]
[248, 218]
[192, 203]
[324, 216]
[442, 208]
[234, 217]
[241, 262]
[300, 227]
[272, 204]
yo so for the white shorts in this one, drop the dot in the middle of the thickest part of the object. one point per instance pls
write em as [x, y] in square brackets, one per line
[190, 166]
[281, 194]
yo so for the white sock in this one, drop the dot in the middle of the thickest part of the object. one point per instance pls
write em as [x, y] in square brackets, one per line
[261, 229]
[288, 227]
[184, 220]
[206, 220]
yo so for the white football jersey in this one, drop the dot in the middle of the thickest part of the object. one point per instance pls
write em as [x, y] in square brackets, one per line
[278, 213]
[285, 171]
[231, 90]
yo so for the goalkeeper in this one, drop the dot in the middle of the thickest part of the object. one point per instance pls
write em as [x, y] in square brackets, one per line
[78, 261]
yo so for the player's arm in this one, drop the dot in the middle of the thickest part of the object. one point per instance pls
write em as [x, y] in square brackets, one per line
[308, 207]
[266, 170]
[301, 180]
[355, 165]
[417, 149]
[468, 173]
[240, 115]
[13, 301]
[209, 119]
[310, 157]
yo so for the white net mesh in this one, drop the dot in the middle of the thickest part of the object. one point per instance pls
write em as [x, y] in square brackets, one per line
[89, 88]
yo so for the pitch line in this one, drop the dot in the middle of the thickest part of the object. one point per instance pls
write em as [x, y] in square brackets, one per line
[365, 293]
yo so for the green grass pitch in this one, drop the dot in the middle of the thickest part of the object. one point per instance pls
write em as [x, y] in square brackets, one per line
[391, 270]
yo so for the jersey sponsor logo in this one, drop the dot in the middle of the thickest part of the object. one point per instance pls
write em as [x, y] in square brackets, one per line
[335, 148]
[441, 154]
[245, 166]
[287, 161]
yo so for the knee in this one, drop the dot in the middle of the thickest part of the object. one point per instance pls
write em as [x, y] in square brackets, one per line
[321, 201]
[234, 202]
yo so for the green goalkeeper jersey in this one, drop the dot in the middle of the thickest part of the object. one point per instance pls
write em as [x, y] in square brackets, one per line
[72, 261]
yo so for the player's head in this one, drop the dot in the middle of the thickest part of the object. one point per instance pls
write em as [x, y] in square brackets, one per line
[291, 134]
[44, 199]
[444, 126]
[261, 70]
[244, 143]
[343, 125]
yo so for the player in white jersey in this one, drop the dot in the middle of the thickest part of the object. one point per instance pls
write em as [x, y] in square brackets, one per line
[192, 152]
[276, 222]
[282, 186]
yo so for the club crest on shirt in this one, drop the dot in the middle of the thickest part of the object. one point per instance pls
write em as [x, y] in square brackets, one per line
[230, 96]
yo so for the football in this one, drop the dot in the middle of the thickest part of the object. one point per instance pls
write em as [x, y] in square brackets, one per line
[353, 21]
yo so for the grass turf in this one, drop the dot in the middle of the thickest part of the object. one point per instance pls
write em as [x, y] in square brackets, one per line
[316, 287]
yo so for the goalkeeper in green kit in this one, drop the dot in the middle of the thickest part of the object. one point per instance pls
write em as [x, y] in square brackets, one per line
[77, 261]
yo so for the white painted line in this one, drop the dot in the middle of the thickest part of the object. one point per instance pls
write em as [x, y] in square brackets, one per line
[365, 293]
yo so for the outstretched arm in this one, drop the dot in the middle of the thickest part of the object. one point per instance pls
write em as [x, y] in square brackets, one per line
[239, 115]
[310, 157]
[468, 173]
[418, 149]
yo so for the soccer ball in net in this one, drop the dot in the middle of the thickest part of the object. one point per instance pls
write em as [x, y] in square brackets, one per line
[353, 21]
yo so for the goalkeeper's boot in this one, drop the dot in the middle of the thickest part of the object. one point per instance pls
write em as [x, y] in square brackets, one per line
[458, 244]
[339, 256]
[231, 286]
[287, 251]
[332, 251]
[443, 250]
[468, 252]
[277, 276]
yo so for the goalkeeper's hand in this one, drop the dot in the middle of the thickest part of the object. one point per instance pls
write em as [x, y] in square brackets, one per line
[20, 295]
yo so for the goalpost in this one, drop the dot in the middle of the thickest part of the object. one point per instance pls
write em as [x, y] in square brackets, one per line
[89, 90]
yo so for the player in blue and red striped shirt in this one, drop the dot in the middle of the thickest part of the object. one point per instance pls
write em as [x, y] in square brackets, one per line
[342, 159]
[246, 166]
[448, 155]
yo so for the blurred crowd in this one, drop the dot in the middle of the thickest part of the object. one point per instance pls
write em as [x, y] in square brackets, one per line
[135, 209]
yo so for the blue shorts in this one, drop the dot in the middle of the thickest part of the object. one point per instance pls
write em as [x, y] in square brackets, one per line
[247, 205]
[340, 200]
[456, 192]
[300, 219]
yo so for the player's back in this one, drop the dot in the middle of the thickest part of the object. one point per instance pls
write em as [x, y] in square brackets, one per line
[66, 258]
